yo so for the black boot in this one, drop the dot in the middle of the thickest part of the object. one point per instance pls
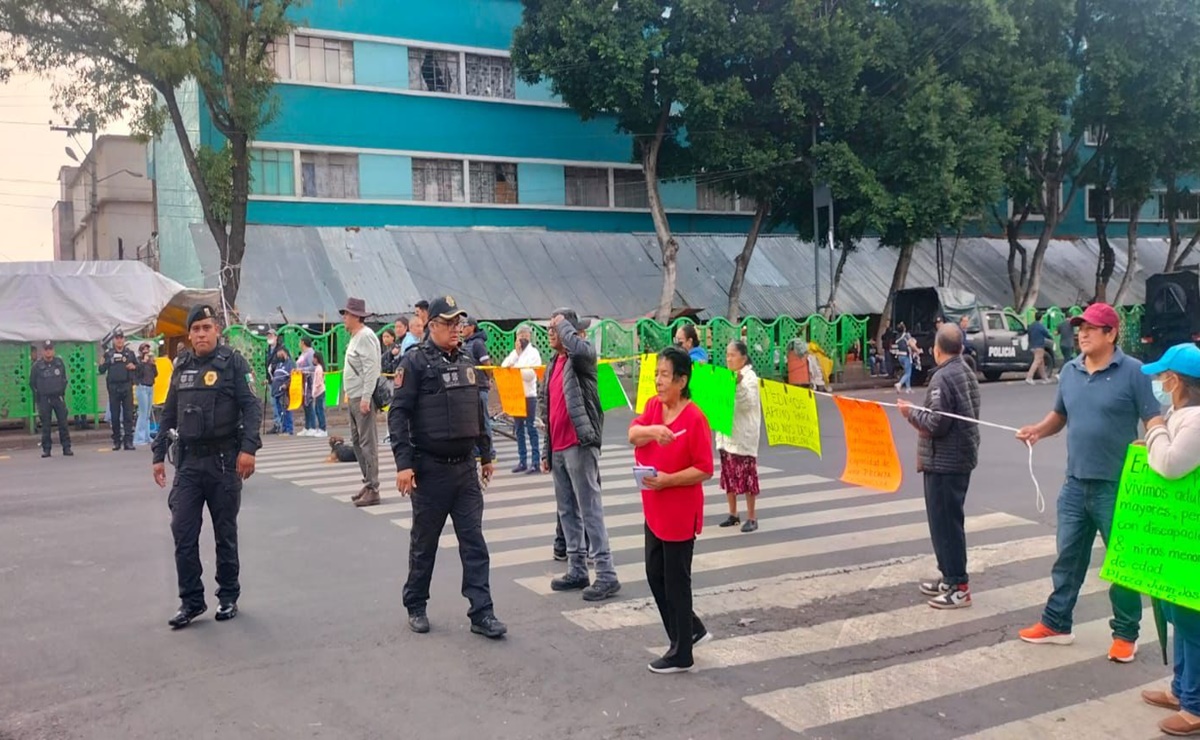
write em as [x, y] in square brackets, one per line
[185, 615]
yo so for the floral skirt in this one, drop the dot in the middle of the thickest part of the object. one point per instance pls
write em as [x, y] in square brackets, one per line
[739, 473]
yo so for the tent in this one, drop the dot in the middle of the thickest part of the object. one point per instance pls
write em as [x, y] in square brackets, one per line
[85, 301]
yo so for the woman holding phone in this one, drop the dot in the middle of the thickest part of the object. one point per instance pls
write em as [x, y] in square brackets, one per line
[672, 436]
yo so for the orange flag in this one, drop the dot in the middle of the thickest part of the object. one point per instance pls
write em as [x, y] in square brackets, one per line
[871, 458]
[511, 390]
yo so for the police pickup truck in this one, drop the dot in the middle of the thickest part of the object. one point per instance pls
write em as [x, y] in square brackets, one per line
[998, 341]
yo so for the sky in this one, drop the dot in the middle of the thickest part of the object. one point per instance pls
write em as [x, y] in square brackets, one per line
[30, 155]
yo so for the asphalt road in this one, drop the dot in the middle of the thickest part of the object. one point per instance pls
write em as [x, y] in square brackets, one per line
[819, 630]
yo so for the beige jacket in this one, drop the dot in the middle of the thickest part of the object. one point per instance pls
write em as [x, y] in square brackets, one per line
[1173, 450]
[747, 418]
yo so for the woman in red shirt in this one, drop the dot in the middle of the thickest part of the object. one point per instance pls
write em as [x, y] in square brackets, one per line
[672, 436]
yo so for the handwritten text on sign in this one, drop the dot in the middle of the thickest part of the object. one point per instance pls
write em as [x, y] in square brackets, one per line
[790, 414]
[1154, 547]
[871, 458]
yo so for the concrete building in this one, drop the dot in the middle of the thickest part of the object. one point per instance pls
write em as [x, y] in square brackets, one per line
[117, 221]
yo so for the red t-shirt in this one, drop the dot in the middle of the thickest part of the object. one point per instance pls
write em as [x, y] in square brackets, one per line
[676, 514]
[562, 429]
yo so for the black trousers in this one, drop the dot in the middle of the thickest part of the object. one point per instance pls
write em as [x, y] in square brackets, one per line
[55, 405]
[669, 572]
[213, 481]
[945, 496]
[120, 413]
[448, 490]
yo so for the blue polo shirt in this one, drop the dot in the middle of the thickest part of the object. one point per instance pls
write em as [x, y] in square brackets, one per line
[1102, 411]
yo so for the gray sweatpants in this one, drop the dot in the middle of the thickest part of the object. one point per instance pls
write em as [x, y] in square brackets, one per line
[366, 443]
[577, 488]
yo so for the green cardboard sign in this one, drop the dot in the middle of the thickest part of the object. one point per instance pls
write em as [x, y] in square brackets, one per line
[713, 390]
[333, 389]
[612, 394]
[1154, 547]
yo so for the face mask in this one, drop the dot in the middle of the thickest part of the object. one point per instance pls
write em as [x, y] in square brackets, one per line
[524, 343]
[1160, 393]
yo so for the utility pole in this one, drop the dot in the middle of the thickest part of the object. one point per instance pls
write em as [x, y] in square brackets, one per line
[93, 198]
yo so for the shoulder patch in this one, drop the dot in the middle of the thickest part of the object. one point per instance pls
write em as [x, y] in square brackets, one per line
[398, 379]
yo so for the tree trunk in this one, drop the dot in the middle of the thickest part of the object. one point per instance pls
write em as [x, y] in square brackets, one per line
[742, 262]
[836, 280]
[1174, 239]
[232, 262]
[662, 227]
[899, 276]
[1131, 260]
[1187, 251]
[1016, 253]
[1105, 263]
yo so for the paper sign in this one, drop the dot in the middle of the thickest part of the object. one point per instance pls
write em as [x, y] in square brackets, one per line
[296, 391]
[790, 413]
[646, 389]
[541, 372]
[511, 390]
[163, 381]
[612, 394]
[871, 458]
[1154, 547]
[333, 389]
[713, 390]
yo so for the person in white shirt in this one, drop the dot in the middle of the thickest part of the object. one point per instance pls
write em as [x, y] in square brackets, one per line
[360, 374]
[739, 452]
[526, 356]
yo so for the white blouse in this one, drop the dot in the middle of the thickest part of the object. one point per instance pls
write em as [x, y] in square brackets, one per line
[1173, 451]
[747, 418]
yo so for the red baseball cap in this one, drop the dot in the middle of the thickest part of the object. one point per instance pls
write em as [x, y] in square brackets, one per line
[1098, 314]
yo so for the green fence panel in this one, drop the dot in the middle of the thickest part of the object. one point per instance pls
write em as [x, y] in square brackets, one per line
[825, 334]
[16, 401]
[1131, 329]
[852, 335]
[83, 392]
[721, 333]
[652, 336]
[760, 341]
[614, 340]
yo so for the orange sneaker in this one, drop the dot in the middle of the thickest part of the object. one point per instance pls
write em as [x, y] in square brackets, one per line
[1122, 651]
[1040, 634]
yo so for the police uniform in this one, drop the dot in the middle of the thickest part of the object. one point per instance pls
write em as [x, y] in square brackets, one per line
[435, 421]
[48, 381]
[120, 392]
[212, 407]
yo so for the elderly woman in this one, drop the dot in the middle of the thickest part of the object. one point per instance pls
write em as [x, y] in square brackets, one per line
[672, 437]
[1173, 451]
[525, 355]
[739, 452]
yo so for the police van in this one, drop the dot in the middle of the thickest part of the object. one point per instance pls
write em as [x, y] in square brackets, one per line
[998, 340]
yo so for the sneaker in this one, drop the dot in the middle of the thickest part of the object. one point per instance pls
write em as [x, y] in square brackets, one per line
[533, 471]
[1040, 634]
[489, 627]
[302, 433]
[958, 597]
[730, 521]
[601, 590]
[1029, 381]
[933, 588]
[698, 640]
[225, 612]
[560, 556]
[751, 525]
[520, 468]
[185, 615]
[1122, 651]
[45, 453]
[570, 583]
[68, 453]
[320, 433]
[665, 665]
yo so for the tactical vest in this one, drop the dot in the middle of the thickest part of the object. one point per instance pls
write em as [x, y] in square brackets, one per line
[451, 413]
[51, 377]
[206, 399]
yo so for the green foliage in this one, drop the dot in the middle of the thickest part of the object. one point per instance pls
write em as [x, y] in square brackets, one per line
[216, 167]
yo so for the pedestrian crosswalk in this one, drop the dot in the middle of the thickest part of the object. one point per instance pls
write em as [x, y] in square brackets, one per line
[816, 619]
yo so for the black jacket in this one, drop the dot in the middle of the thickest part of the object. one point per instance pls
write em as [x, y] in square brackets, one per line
[476, 347]
[581, 387]
[948, 445]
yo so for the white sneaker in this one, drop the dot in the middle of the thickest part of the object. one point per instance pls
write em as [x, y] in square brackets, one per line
[320, 433]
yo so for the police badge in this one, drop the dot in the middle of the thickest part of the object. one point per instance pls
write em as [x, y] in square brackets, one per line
[210, 377]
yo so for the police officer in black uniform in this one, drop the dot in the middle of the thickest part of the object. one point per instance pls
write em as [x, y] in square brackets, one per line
[211, 405]
[48, 381]
[435, 420]
[120, 364]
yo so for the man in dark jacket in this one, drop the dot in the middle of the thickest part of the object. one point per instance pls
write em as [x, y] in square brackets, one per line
[569, 401]
[947, 451]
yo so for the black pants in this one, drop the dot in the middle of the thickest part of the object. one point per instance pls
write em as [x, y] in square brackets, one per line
[210, 480]
[48, 405]
[669, 572]
[945, 495]
[448, 490]
[120, 413]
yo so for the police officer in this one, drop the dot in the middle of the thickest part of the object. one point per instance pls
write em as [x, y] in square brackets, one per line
[211, 405]
[48, 381]
[120, 364]
[435, 420]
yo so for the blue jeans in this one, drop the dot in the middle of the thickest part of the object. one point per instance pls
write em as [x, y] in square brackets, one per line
[275, 414]
[581, 512]
[1186, 684]
[1084, 508]
[145, 405]
[319, 411]
[528, 427]
[906, 378]
[284, 416]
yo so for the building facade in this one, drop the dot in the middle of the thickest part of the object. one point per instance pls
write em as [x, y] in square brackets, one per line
[117, 221]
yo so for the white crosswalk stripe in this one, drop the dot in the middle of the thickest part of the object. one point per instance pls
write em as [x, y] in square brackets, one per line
[869, 544]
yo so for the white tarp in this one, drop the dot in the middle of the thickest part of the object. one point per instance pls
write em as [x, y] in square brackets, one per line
[85, 301]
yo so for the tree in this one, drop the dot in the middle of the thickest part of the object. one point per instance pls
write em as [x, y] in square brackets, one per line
[131, 58]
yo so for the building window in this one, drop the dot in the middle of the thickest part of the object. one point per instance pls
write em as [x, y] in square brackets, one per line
[629, 189]
[1091, 136]
[490, 77]
[493, 182]
[324, 60]
[1106, 207]
[271, 172]
[746, 204]
[587, 187]
[438, 180]
[329, 175]
[710, 198]
[279, 57]
[433, 71]
[1188, 207]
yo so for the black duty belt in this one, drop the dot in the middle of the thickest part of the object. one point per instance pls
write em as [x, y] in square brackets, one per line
[210, 447]
[445, 460]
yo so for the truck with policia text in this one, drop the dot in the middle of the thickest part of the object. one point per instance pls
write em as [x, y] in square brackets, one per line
[998, 340]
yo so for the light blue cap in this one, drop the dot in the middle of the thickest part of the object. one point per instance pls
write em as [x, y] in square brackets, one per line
[1182, 358]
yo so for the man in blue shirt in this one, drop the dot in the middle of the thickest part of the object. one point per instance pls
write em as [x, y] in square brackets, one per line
[1102, 395]
[1038, 336]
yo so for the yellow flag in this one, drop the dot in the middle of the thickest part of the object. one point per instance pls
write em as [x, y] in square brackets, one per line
[646, 389]
[296, 391]
[790, 413]
[163, 381]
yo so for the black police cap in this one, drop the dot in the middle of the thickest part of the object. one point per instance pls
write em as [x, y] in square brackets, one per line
[445, 308]
[199, 313]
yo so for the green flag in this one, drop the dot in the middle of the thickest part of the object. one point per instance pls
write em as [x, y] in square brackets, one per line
[713, 389]
[612, 394]
[333, 389]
